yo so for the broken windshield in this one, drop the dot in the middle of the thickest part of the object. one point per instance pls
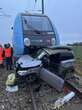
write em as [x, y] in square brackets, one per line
[37, 23]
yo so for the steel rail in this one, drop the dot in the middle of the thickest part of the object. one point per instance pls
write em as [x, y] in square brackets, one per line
[32, 97]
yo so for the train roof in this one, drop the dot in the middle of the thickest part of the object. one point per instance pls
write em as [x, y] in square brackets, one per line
[33, 14]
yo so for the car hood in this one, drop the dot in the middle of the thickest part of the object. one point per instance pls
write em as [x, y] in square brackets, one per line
[26, 61]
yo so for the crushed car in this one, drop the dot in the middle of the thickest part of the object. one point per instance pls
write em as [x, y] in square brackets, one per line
[59, 60]
[51, 64]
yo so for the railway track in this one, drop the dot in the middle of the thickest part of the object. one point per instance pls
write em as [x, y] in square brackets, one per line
[35, 100]
[32, 98]
[38, 100]
[22, 100]
[77, 90]
[44, 98]
[39, 97]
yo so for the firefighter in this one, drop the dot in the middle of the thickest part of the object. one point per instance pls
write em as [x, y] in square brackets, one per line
[1, 56]
[8, 56]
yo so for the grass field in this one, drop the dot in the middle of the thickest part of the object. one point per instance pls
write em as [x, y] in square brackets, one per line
[78, 56]
[78, 53]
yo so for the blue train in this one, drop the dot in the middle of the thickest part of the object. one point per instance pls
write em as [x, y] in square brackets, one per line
[33, 30]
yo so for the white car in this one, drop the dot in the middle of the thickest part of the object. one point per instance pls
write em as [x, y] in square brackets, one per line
[27, 65]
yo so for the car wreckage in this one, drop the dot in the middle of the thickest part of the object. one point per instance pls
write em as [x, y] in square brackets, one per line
[52, 65]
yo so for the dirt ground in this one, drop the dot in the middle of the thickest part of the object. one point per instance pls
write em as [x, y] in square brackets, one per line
[20, 99]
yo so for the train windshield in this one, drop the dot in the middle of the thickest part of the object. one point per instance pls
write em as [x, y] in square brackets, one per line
[40, 23]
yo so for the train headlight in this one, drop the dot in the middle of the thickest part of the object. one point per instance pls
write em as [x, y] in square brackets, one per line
[27, 42]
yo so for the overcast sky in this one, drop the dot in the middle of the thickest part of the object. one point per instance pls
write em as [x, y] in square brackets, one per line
[65, 14]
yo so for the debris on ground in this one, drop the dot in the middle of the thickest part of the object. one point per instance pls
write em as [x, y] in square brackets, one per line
[11, 79]
[12, 88]
[21, 99]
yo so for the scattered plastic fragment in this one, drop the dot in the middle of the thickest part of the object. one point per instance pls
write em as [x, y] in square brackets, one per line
[12, 88]
[61, 101]
[11, 79]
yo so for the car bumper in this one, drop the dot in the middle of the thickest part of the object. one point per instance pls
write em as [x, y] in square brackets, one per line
[28, 71]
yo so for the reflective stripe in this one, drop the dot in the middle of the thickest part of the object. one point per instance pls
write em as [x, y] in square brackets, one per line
[8, 52]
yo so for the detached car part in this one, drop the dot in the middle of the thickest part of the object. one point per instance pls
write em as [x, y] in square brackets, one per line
[52, 79]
